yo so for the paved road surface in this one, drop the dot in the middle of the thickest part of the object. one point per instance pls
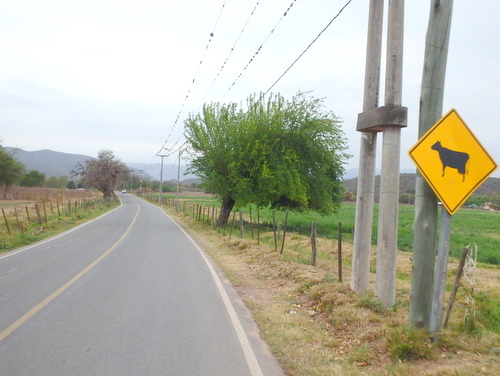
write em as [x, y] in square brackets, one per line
[127, 294]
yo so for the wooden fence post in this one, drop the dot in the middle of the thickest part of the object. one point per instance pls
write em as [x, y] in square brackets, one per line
[45, 213]
[258, 226]
[458, 276]
[274, 231]
[251, 224]
[232, 225]
[242, 230]
[38, 214]
[17, 218]
[28, 214]
[313, 243]
[6, 223]
[339, 246]
[284, 233]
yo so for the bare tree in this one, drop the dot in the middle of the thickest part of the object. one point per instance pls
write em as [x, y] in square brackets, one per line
[102, 173]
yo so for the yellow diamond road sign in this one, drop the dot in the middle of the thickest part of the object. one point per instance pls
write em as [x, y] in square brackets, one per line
[452, 160]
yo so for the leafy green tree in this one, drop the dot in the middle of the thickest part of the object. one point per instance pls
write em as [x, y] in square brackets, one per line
[103, 173]
[10, 170]
[32, 178]
[57, 182]
[495, 201]
[71, 185]
[278, 153]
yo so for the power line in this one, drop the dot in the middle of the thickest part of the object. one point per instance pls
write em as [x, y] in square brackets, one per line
[212, 34]
[260, 47]
[307, 48]
[262, 95]
[232, 48]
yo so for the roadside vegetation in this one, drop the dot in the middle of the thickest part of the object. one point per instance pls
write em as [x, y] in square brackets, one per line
[31, 214]
[275, 152]
[315, 325]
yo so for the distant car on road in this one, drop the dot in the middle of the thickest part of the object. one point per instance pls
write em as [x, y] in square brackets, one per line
[124, 191]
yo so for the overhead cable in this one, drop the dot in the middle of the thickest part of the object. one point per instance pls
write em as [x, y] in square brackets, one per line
[297, 59]
[232, 49]
[260, 47]
[212, 34]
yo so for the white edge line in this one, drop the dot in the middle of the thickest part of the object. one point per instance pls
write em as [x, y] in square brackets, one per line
[41, 242]
[250, 357]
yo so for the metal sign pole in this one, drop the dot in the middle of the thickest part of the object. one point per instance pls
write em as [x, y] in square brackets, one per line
[441, 271]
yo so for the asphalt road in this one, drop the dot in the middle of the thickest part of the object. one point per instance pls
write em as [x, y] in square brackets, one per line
[127, 294]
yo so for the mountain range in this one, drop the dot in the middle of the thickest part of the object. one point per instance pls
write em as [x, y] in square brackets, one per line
[54, 163]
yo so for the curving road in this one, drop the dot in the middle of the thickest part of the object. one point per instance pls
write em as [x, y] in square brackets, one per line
[127, 294]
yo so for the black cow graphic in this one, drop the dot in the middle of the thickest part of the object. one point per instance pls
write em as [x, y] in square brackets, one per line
[452, 158]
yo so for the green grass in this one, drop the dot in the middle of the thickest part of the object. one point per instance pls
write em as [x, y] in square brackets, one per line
[31, 233]
[468, 226]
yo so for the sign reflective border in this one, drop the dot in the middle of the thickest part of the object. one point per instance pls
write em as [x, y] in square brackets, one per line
[452, 160]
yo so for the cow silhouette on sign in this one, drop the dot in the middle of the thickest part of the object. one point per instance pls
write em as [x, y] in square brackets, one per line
[452, 158]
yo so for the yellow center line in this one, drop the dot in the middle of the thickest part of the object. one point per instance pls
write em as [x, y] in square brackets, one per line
[28, 315]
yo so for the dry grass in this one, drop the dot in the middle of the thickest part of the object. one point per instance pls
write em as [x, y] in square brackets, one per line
[316, 325]
[32, 214]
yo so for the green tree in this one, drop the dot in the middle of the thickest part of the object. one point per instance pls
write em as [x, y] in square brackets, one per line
[10, 170]
[32, 178]
[278, 153]
[495, 201]
[103, 173]
[57, 182]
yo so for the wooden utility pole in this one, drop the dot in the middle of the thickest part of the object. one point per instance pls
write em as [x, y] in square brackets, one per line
[366, 173]
[431, 109]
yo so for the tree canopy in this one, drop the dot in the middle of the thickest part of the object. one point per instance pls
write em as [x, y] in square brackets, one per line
[102, 173]
[10, 170]
[285, 154]
[32, 178]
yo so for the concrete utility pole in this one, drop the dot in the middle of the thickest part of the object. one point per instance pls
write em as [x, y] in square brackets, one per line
[387, 239]
[389, 119]
[178, 182]
[161, 179]
[431, 109]
[366, 175]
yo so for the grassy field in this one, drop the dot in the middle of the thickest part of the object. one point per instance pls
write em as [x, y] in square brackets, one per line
[468, 226]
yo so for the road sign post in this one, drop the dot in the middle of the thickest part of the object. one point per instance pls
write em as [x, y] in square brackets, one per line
[454, 164]
[452, 160]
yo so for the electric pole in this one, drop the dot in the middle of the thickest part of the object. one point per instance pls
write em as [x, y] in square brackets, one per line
[431, 109]
[388, 119]
[161, 178]
[366, 174]
[178, 181]
[395, 117]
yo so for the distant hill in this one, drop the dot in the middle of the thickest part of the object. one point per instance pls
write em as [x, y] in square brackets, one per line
[51, 163]
[169, 171]
[54, 163]
[407, 184]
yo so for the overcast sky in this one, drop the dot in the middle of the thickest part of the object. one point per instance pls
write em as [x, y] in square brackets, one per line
[81, 76]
